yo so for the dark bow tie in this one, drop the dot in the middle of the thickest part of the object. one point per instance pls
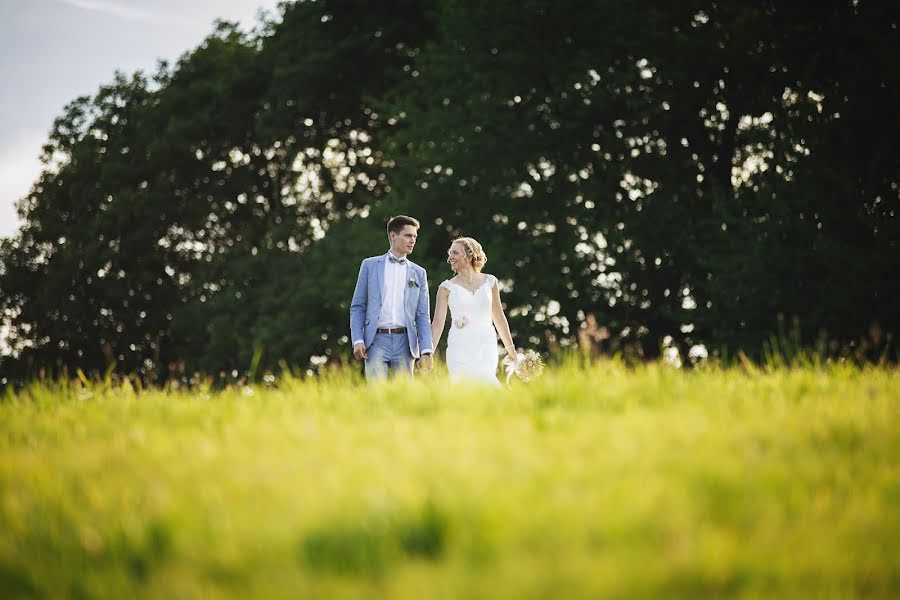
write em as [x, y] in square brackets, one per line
[394, 259]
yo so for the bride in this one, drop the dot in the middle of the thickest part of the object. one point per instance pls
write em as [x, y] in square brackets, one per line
[475, 310]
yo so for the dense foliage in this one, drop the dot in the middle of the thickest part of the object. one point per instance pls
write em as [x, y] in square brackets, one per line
[641, 175]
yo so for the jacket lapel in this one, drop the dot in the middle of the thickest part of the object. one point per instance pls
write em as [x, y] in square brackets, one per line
[379, 264]
[406, 277]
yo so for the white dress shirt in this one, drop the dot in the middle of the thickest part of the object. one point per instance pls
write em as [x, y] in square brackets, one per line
[392, 293]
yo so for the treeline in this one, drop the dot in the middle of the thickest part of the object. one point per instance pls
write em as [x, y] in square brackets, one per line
[641, 174]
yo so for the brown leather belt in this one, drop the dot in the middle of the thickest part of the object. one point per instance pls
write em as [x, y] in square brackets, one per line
[394, 330]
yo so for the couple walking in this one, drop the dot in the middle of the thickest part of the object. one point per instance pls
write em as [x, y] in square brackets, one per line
[389, 313]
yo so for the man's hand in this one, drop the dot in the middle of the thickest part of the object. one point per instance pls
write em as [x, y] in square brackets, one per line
[426, 363]
[359, 351]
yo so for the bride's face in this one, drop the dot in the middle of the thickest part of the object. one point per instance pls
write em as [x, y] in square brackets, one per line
[456, 256]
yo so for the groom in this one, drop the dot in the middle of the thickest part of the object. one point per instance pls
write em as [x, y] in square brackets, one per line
[389, 315]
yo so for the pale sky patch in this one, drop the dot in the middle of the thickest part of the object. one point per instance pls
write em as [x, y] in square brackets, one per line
[114, 9]
[52, 51]
[19, 168]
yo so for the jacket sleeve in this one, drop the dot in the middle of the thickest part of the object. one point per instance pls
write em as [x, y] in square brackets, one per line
[423, 317]
[358, 304]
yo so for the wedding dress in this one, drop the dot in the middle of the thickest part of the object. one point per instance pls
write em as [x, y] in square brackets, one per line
[472, 342]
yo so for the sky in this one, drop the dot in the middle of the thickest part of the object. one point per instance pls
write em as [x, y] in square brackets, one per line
[52, 51]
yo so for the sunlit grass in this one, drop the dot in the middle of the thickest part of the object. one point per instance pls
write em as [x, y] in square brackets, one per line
[592, 481]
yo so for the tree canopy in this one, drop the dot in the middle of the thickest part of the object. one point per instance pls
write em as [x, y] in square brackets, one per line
[642, 175]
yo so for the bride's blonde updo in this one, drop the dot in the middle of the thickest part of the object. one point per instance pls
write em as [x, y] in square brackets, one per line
[474, 252]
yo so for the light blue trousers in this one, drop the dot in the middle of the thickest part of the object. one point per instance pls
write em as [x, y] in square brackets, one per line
[389, 354]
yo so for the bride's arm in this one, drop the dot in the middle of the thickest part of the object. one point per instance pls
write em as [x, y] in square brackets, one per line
[440, 316]
[501, 323]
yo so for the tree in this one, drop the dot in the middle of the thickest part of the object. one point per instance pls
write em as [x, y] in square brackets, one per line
[631, 164]
[707, 173]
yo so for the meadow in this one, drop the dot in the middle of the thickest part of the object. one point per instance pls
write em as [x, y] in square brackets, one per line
[597, 480]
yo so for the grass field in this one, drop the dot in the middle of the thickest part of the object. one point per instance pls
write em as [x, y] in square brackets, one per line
[594, 481]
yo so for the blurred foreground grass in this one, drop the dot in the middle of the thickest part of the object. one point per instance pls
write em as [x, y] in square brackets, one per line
[595, 481]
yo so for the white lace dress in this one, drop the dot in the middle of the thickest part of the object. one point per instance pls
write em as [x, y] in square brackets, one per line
[472, 342]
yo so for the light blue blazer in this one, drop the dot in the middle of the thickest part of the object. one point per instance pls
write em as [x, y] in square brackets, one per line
[367, 299]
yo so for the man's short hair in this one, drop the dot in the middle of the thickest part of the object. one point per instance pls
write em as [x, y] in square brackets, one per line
[396, 224]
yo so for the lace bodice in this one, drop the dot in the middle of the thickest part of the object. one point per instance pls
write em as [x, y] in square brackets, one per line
[470, 309]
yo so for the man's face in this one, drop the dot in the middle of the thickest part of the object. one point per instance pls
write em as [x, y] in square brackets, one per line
[403, 243]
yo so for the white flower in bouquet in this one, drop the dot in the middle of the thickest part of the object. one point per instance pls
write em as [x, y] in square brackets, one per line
[528, 366]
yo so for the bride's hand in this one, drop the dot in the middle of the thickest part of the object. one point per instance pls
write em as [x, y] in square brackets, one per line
[512, 354]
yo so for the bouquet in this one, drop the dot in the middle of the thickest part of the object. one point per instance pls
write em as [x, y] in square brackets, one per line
[528, 366]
